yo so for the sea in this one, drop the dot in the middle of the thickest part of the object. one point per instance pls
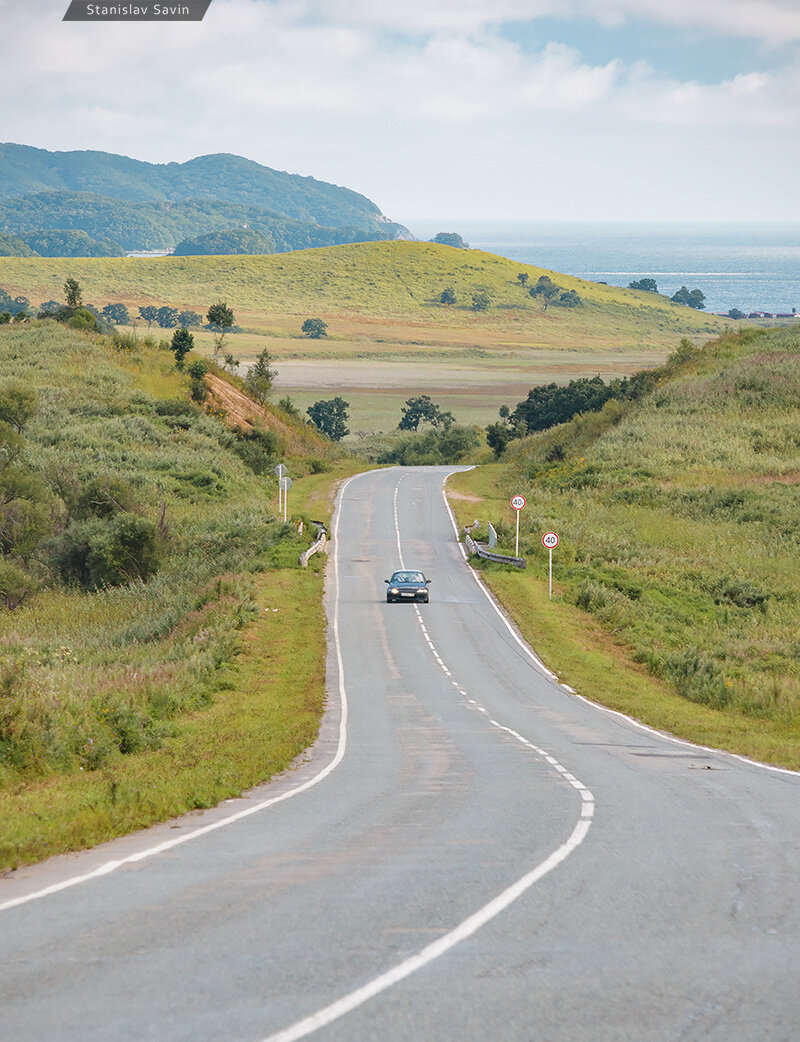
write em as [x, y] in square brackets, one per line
[752, 267]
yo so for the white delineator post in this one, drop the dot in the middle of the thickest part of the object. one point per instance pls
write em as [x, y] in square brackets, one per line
[550, 540]
[517, 502]
[285, 483]
[279, 471]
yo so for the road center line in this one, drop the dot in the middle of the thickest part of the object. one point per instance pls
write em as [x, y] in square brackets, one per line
[354, 999]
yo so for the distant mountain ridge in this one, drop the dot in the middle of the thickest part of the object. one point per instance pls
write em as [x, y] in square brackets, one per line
[140, 205]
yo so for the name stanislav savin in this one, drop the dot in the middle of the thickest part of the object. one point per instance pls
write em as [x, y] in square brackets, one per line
[136, 10]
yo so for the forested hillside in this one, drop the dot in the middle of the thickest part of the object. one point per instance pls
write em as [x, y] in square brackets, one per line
[146, 206]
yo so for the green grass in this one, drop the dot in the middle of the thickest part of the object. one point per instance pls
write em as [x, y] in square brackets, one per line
[92, 685]
[266, 714]
[366, 290]
[680, 531]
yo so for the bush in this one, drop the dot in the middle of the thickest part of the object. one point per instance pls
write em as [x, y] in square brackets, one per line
[256, 448]
[97, 552]
[15, 584]
[433, 447]
[103, 497]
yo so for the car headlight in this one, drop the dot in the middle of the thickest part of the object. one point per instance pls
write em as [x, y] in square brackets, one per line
[422, 589]
[394, 590]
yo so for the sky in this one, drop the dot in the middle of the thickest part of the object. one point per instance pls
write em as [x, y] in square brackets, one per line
[478, 109]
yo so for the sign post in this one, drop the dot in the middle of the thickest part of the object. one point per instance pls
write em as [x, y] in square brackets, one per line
[279, 471]
[550, 540]
[285, 483]
[517, 502]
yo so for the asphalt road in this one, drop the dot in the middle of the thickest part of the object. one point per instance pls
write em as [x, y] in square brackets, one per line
[468, 853]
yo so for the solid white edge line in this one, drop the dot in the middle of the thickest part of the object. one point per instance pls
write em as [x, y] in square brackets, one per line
[308, 1025]
[112, 866]
[596, 705]
[465, 929]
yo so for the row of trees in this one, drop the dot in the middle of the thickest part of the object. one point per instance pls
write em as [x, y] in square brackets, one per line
[551, 404]
[692, 298]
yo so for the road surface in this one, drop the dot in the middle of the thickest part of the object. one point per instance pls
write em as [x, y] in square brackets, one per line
[468, 853]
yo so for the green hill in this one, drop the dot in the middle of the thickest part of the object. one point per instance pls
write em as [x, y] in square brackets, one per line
[158, 225]
[148, 206]
[387, 281]
[233, 179]
[679, 522]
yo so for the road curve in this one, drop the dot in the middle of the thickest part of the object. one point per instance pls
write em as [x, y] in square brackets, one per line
[468, 853]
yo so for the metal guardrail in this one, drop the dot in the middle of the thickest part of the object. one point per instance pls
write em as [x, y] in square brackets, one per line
[316, 547]
[481, 550]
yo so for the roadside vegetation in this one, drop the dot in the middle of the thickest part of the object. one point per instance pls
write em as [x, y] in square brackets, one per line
[679, 522]
[139, 551]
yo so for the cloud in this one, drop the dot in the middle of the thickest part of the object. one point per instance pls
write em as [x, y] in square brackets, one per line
[771, 21]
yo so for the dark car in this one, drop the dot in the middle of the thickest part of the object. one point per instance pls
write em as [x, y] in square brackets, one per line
[407, 585]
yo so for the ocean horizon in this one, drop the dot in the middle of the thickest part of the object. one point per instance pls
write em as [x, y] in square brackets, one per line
[746, 265]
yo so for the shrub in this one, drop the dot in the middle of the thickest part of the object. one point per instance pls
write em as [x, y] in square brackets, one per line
[256, 448]
[15, 584]
[97, 552]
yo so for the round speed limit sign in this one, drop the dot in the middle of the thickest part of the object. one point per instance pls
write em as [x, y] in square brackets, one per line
[518, 502]
[550, 540]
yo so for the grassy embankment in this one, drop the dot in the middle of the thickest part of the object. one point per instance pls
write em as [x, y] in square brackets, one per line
[677, 592]
[388, 336]
[130, 704]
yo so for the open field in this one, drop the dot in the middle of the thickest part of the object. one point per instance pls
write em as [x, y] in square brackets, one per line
[680, 532]
[388, 335]
[387, 331]
[473, 390]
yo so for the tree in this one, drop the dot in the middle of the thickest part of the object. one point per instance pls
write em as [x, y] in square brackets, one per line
[17, 405]
[691, 298]
[149, 313]
[167, 317]
[315, 328]
[423, 408]
[569, 299]
[197, 371]
[448, 296]
[648, 285]
[480, 301]
[260, 377]
[288, 406]
[13, 305]
[450, 239]
[220, 320]
[182, 344]
[522, 278]
[545, 290]
[72, 293]
[49, 309]
[330, 416]
[498, 435]
[116, 313]
[189, 319]
[736, 313]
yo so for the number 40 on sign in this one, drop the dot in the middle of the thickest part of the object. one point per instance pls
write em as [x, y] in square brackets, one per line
[550, 541]
[517, 502]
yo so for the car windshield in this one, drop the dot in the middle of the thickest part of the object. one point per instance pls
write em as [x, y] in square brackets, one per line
[408, 577]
